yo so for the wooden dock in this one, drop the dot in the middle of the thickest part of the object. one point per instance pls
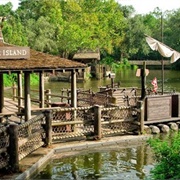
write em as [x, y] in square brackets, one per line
[10, 106]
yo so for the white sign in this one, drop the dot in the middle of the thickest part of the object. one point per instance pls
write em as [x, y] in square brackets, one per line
[14, 52]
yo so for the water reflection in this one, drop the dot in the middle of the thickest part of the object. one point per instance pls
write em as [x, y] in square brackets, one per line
[115, 163]
[127, 78]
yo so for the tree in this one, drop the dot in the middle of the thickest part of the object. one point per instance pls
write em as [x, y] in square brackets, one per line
[13, 31]
[42, 21]
[41, 35]
[171, 33]
[98, 24]
[134, 45]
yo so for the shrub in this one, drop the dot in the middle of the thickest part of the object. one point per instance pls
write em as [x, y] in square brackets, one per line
[167, 155]
[9, 80]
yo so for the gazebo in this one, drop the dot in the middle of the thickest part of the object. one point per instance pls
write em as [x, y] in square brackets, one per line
[23, 61]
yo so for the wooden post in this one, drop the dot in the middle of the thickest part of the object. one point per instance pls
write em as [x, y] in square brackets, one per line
[1, 95]
[27, 98]
[62, 94]
[73, 89]
[68, 95]
[142, 117]
[74, 96]
[48, 128]
[20, 94]
[48, 97]
[83, 74]
[143, 81]
[41, 89]
[112, 82]
[13, 147]
[14, 91]
[97, 122]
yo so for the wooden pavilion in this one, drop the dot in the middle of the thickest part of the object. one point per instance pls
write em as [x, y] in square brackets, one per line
[87, 56]
[92, 59]
[23, 61]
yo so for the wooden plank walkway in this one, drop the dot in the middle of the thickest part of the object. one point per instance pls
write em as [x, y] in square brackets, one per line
[10, 106]
[10, 111]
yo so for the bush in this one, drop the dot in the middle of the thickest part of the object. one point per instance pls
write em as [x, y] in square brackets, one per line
[9, 80]
[167, 155]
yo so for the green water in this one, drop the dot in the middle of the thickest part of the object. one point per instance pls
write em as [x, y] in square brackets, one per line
[109, 163]
[133, 162]
[127, 78]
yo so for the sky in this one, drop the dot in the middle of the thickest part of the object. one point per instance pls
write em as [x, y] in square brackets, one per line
[146, 6]
[141, 6]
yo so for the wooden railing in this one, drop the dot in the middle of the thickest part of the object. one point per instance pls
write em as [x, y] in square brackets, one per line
[55, 124]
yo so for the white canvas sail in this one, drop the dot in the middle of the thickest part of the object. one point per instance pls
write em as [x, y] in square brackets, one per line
[164, 50]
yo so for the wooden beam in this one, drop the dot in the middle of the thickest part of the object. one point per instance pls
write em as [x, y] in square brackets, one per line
[27, 100]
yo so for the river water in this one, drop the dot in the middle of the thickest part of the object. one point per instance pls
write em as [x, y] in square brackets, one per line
[109, 163]
[127, 78]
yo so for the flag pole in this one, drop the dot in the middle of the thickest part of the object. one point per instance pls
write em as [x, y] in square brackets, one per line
[162, 62]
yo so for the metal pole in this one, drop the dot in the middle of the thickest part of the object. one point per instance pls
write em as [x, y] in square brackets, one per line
[162, 74]
[143, 81]
[162, 62]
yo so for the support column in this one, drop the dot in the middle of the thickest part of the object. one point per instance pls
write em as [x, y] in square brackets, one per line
[41, 89]
[20, 94]
[27, 98]
[73, 89]
[73, 97]
[1, 94]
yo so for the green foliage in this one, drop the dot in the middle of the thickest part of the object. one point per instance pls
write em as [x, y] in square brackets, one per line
[13, 32]
[114, 65]
[167, 154]
[63, 27]
[34, 79]
[107, 60]
[41, 36]
[9, 80]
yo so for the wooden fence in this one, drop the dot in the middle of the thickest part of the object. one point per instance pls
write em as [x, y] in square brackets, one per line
[55, 125]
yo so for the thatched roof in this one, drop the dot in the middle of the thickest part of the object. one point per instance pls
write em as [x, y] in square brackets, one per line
[87, 55]
[38, 61]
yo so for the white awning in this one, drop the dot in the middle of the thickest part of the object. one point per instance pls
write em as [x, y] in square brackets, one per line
[164, 50]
